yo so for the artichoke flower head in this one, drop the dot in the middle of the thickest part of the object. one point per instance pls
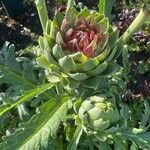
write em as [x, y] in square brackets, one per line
[98, 113]
[84, 38]
[81, 44]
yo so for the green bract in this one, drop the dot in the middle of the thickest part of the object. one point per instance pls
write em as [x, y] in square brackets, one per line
[81, 44]
[98, 113]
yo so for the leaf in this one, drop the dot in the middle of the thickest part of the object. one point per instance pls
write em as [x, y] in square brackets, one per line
[126, 63]
[100, 82]
[145, 115]
[111, 69]
[75, 140]
[102, 146]
[40, 131]
[134, 146]
[119, 143]
[42, 11]
[105, 7]
[43, 62]
[142, 139]
[113, 37]
[14, 71]
[31, 94]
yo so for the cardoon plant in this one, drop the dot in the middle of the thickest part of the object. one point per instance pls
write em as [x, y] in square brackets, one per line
[83, 44]
[77, 48]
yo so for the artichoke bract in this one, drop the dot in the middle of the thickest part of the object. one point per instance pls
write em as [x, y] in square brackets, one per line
[81, 44]
[98, 113]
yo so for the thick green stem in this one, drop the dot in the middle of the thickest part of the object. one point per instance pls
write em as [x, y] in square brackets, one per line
[136, 25]
[69, 5]
[42, 11]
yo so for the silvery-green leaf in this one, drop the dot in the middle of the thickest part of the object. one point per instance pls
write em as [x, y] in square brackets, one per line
[59, 38]
[41, 42]
[88, 65]
[48, 42]
[58, 18]
[84, 13]
[99, 82]
[57, 52]
[105, 7]
[114, 54]
[98, 70]
[78, 57]
[105, 22]
[78, 76]
[39, 132]
[54, 29]
[43, 62]
[99, 17]
[113, 37]
[48, 27]
[67, 64]
[101, 57]
[111, 68]
[134, 146]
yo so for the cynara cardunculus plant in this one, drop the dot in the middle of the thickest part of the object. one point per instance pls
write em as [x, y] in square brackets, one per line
[78, 51]
[81, 44]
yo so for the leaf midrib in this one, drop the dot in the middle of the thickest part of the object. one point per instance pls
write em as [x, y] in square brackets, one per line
[53, 112]
[18, 77]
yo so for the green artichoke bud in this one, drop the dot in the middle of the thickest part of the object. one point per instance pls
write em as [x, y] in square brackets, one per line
[81, 44]
[98, 113]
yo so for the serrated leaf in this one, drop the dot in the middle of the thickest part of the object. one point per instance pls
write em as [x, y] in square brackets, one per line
[14, 71]
[145, 116]
[40, 131]
[31, 94]
[142, 139]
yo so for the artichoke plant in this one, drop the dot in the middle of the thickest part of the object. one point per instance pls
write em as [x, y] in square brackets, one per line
[98, 113]
[81, 44]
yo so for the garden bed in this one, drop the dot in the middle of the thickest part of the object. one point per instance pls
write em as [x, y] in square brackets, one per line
[74, 82]
[25, 30]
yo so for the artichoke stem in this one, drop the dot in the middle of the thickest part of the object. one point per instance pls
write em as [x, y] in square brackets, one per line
[42, 11]
[69, 5]
[143, 15]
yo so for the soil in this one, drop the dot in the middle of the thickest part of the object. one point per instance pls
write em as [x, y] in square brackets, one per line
[142, 84]
[24, 30]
